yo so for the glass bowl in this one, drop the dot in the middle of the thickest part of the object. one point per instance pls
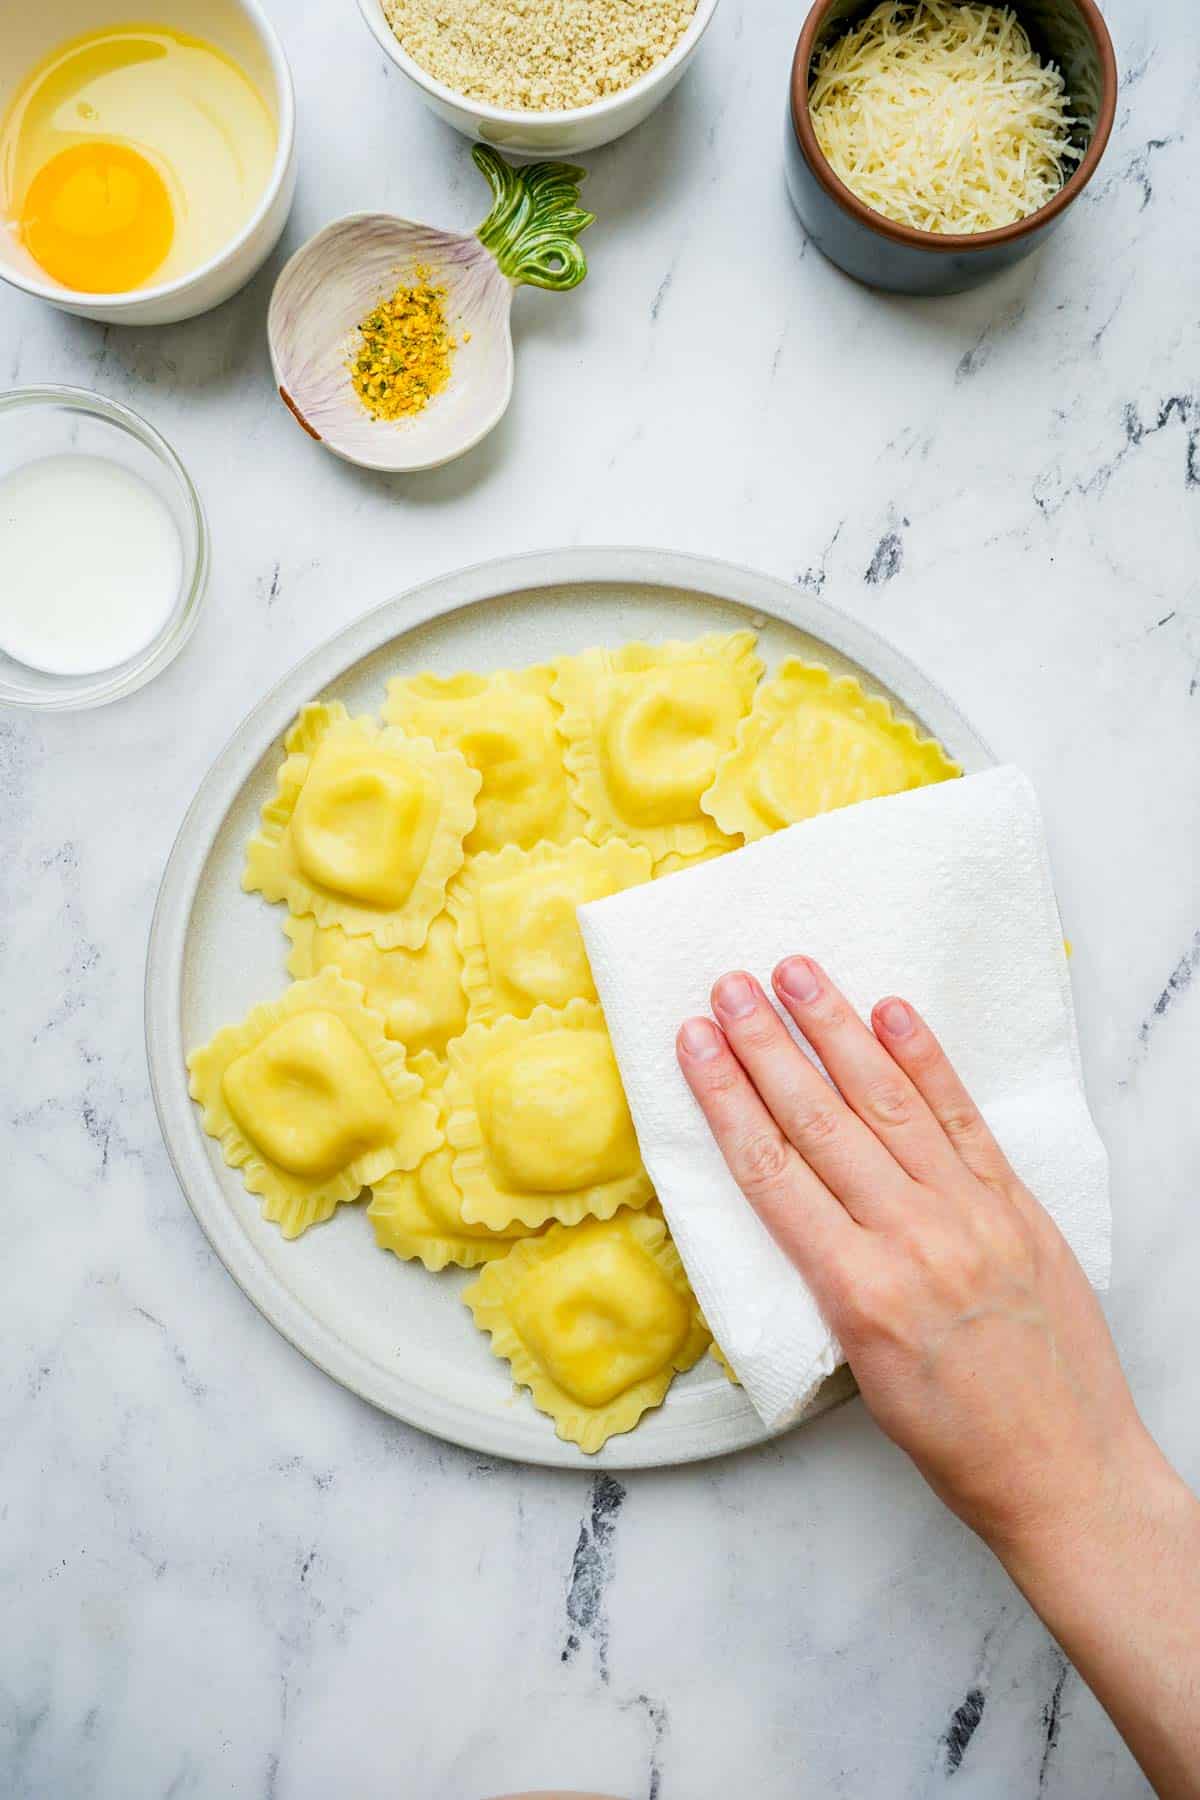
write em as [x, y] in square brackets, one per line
[47, 421]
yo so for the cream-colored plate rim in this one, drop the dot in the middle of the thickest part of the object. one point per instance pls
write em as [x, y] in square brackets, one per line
[524, 1436]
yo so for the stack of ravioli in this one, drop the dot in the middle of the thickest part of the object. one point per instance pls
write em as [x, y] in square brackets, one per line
[441, 1044]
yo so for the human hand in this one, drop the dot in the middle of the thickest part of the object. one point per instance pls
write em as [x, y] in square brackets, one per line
[976, 1341]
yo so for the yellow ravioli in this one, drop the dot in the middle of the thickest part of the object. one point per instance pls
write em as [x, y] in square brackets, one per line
[595, 1320]
[518, 935]
[816, 741]
[443, 1045]
[539, 1123]
[365, 829]
[419, 992]
[672, 864]
[645, 727]
[312, 1101]
[417, 1214]
[505, 725]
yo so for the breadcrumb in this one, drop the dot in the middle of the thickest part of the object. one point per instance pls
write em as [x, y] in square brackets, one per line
[538, 55]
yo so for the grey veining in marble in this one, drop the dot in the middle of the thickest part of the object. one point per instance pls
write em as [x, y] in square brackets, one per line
[219, 1574]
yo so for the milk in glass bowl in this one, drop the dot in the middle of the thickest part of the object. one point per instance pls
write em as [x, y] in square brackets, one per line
[104, 548]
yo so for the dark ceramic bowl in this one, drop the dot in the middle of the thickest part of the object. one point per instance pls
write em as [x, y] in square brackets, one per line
[873, 248]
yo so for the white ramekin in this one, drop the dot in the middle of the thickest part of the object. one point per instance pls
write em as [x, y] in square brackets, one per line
[243, 31]
[544, 133]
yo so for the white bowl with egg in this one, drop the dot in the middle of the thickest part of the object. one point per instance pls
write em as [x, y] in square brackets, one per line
[243, 36]
[562, 133]
[104, 548]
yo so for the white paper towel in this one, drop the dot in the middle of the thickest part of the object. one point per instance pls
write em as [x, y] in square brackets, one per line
[943, 895]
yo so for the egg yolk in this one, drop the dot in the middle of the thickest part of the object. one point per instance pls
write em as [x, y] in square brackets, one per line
[98, 218]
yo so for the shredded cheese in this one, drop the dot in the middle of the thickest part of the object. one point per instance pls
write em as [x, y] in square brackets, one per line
[942, 116]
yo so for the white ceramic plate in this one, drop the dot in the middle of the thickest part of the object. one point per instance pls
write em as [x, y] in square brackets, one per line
[390, 1331]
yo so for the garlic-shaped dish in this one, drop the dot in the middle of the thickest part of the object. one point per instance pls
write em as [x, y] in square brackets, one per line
[334, 281]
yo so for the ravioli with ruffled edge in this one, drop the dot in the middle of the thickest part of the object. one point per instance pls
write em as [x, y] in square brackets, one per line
[645, 727]
[419, 993]
[539, 1123]
[666, 755]
[312, 1101]
[365, 829]
[814, 742]
[518, 935]
[506, 726]
[595, 1320]
[674, 864]
[417, 1213]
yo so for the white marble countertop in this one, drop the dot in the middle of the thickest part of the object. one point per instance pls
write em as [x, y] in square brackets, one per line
[222, 1575]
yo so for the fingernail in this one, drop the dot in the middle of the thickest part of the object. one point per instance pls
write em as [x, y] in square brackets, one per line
[896, 1018]
[734, 996]
[798, 978]
[699, 1040]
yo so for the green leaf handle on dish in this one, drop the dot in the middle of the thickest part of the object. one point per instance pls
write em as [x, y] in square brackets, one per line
[532, 228]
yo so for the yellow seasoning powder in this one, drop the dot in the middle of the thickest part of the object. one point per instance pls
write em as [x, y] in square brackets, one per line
[404, 351]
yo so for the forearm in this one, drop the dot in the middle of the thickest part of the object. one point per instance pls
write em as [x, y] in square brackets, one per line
[977, 1342]
[1120, 1591]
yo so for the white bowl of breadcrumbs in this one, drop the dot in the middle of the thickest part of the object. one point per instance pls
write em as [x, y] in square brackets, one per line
[549, 77]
